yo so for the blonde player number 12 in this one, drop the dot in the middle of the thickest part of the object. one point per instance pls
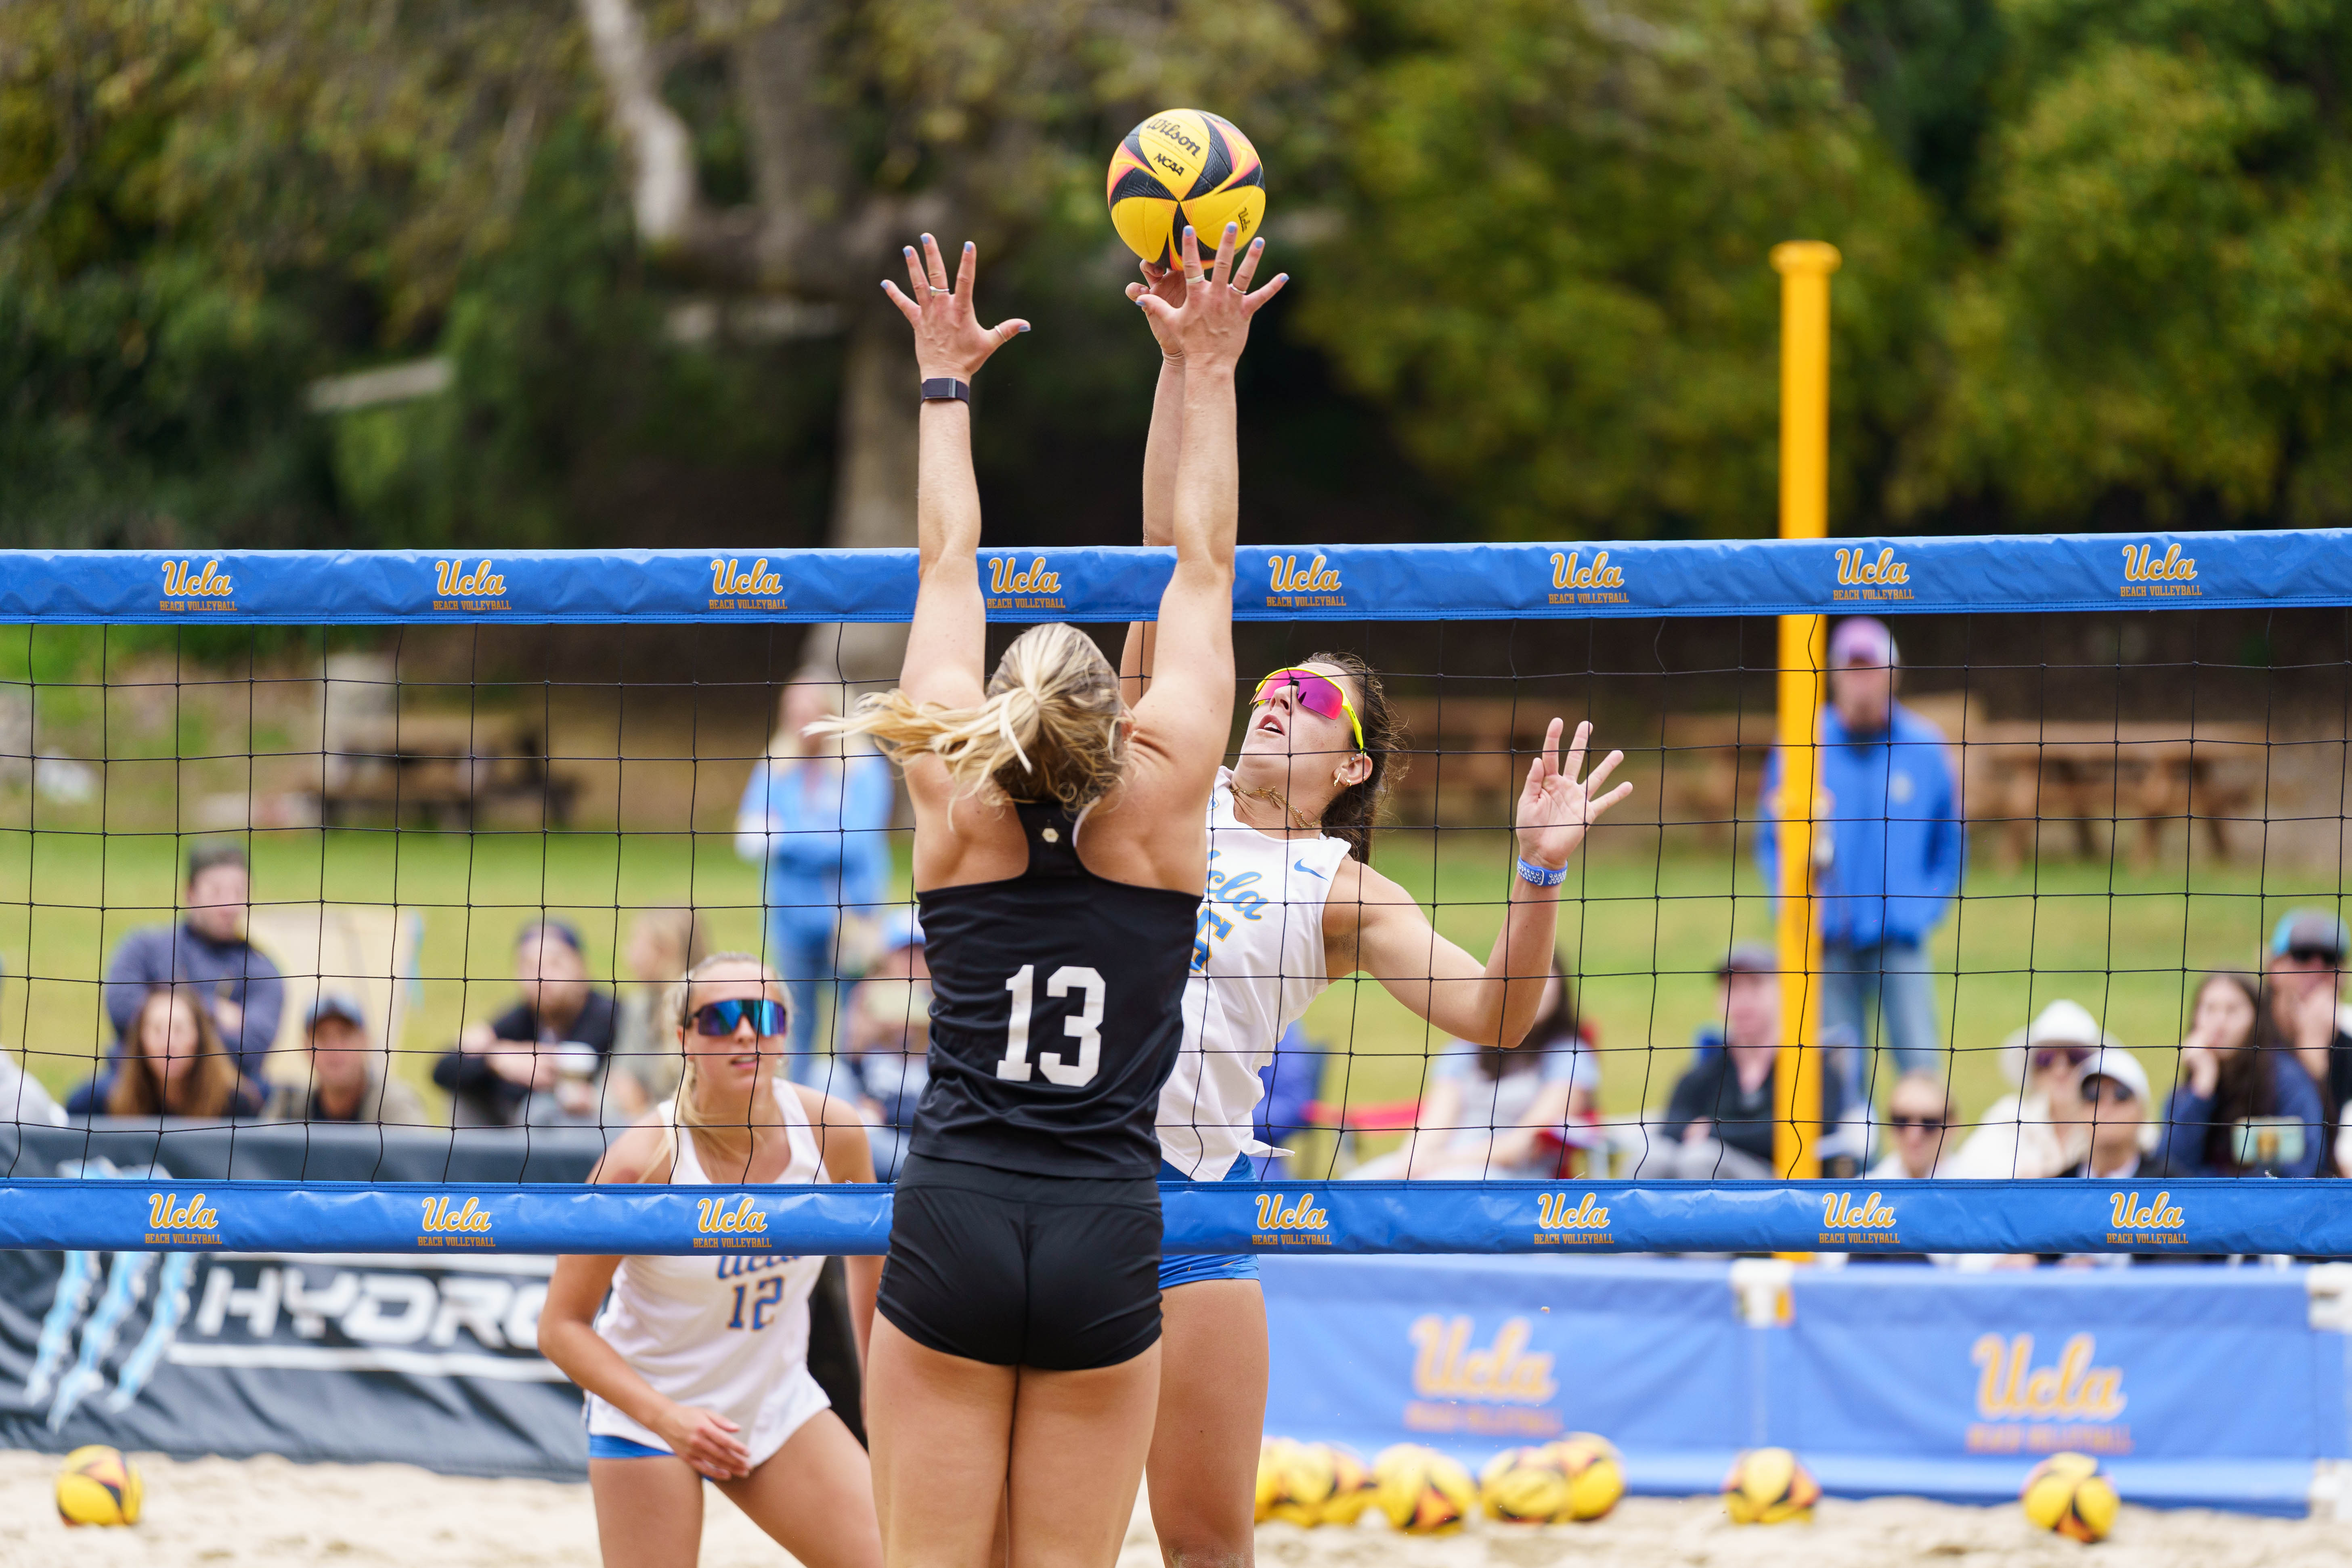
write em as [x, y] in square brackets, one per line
[1086, 1027]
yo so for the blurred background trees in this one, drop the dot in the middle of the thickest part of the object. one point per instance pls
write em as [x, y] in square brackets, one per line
[2095, 262]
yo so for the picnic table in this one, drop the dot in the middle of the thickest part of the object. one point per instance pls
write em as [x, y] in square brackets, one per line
[445, 769]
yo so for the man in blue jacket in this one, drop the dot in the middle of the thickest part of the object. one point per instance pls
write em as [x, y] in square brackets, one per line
[1887, 860]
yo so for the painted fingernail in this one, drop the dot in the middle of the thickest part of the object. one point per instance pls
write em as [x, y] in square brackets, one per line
[1025, 326]
[1258, 244]
[928, 240]
[1233, 229]
[967, 244]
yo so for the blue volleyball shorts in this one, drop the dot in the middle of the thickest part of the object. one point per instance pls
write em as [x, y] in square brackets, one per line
[1192, 1267]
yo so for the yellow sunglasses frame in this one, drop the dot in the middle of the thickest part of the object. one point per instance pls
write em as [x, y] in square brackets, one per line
[1258, 696]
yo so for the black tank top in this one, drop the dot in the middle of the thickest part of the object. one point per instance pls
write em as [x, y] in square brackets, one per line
[1055, 1000]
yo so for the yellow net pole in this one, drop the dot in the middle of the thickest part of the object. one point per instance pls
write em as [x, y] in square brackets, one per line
[1804, 266]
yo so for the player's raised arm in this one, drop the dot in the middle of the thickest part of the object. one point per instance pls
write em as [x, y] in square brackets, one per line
[1185, 714]
[946, 642]
[1160, 453]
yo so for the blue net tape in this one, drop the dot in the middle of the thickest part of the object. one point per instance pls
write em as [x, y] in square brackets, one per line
[2185, 1217]
[1333, 582]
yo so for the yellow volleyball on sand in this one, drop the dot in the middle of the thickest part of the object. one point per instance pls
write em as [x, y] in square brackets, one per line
[1351, 1485]
[2066, 1495]
[1767, 1486]
[1184, 166]
[1272, 1457]
[1306, 1475]
[1595, 1471]
[97, 1485]
[1524, 1486]
[1423, 1491]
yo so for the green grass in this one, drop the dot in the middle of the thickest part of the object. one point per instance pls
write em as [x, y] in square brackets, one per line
[1642, 930]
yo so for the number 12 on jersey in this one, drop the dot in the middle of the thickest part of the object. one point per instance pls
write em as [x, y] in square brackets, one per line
[1084, 1026]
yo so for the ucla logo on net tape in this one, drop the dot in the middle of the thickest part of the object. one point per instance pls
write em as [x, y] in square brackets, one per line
[2146, 1223]
[2173, 574]
[1862, 575]
[738, 1226]
[1598, 584]
[467, 1226]
[186, 587]
[734, 588]
[1844, 1220]
[1274, 1218]
[454, 588]
[168, 1219]
[1019, 587]
[1292, 586]
[1564, 1221]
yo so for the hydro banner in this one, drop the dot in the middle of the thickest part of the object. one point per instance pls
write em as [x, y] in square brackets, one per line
[1285, 583]
[2206, 1387]
[319, 1356]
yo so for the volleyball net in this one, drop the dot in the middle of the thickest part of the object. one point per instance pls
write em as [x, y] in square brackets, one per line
[338, 893]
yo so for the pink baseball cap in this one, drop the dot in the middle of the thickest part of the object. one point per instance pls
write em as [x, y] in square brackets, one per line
[1863, 641]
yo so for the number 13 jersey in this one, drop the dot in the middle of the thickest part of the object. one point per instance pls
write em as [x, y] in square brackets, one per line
[1056, 1002]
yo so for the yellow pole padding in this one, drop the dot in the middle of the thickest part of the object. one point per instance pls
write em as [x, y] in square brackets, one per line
[1804, 266]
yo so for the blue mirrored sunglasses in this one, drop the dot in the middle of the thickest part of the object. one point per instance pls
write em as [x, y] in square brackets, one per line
[726, 1018]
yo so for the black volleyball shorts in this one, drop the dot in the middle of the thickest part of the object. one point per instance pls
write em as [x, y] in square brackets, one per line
[1057, 1273]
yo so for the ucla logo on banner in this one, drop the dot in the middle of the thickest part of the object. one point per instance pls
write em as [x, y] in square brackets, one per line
[1278, 1223]
[1862, 575]
[2071, 1403]
[2147, 576]
[460, 1227]
[1844, 1220]
[2158, 1222]
[1563, 1221]
[1574, 583]
[187, 586]
[736, 1226]
[168, 1219]
[1019, 587]
[1291, 586]
[734, 588]
[1499, 1391]
[454, 588]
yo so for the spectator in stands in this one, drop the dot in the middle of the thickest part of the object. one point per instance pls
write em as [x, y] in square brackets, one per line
[2305, 970]
[2114, 1091]
[1720, 1119]
[663, 945]
[1923, 1122]
[346, 1081]
[815, 814]
[207, 950]
[541, 1059]
[1895, 851]
[2243, 1104]
[2042, 1128]
[887, 1039]
[176, 1065]
[1491, 1113]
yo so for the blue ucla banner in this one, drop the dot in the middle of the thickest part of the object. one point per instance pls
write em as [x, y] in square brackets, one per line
[1334, 582]
[2195, 1386]
[2176, 1218]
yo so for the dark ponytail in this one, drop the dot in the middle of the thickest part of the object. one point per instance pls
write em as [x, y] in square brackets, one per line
[1356, 810]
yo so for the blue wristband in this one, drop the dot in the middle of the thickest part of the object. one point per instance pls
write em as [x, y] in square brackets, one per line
[1542, 875]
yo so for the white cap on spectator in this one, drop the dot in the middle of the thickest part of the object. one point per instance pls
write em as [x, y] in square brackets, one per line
[2062, 1023]
[2114, 1062]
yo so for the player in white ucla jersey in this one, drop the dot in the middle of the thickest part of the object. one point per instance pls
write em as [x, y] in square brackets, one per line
[1292, 905]
[697, 1364]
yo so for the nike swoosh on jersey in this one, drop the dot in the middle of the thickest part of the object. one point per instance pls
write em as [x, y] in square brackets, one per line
[1303, 865]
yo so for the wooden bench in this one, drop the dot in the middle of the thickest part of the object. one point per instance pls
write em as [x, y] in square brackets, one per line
[444, 769]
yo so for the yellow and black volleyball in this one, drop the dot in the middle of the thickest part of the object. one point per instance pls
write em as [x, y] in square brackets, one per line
[1181, 166]
[2067, 1496]
[1768, 1486]
[97, 1485]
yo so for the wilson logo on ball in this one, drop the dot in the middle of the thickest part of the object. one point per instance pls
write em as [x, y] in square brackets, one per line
[1184, 166]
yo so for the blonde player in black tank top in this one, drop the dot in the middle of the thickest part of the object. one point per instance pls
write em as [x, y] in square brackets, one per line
[1060, 849]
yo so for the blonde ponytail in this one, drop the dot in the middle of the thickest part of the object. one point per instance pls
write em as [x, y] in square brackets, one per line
[1049, 728]
[683, 1115]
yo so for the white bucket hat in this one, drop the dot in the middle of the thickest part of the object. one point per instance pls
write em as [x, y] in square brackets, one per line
[2062, 1023]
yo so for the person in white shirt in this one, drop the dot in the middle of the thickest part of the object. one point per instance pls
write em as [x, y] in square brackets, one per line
[2042, 1128]
[2113, 1090]
[1919, 1122]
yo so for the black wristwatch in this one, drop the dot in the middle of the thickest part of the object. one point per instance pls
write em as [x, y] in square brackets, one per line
[946, 388]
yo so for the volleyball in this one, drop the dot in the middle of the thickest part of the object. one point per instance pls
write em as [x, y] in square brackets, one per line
[1306, 1477]
[1351, 1485]
[1595, 1471]
[97, 1485]
[1273, 1464]
[2066, 1495]
[1524, 1486]
[1184, 166]
[1767, 1486]
[1423, 1491]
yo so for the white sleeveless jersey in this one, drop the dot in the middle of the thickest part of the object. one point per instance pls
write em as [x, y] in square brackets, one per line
[727, 1334]
[1257, 962]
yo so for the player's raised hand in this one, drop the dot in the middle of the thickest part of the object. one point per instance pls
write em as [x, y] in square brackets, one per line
[949, 339]
[1211, 327]
[1167, 285]
[1557, 805]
